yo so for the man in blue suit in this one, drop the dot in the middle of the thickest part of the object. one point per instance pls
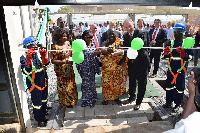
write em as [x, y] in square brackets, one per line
[157, 37]
[105, 34]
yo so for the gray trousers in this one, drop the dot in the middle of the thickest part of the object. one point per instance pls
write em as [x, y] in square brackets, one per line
[196, 56]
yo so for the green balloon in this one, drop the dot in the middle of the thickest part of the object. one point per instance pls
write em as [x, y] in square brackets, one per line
[78, 45]
[137, 43]
[188, 42]
[78, 57]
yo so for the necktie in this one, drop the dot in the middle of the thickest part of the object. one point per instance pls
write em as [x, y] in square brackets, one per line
[154, 34]
[96, 42]
[131, 37]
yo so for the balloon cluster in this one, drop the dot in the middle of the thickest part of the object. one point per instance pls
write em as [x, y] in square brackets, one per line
[78, 45]
[137, 43]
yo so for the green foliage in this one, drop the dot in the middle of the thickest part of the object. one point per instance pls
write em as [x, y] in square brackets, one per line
[65, 9]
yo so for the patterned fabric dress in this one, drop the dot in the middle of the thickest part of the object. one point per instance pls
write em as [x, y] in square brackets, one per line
[114, 76]
[67, 90]
[87, 72]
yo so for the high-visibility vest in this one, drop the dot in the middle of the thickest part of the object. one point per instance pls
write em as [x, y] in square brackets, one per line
[34, 70]
[175, 58]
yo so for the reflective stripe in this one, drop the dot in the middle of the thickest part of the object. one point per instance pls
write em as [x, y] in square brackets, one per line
[179, 91]
[172, 44]
[176, 58]
[190, 57]
[44, 101]
[170, 88]
[27, 74]
[37, 107]
[182, 67]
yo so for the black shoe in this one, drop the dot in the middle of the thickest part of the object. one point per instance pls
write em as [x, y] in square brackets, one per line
[45, 120]
[70, 106]
[118, 101]
[42, 124]
[105, 102]
[130, 100]
[176, 108]
[167, 105]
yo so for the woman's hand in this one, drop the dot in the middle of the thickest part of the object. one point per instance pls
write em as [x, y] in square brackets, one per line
[104, 51]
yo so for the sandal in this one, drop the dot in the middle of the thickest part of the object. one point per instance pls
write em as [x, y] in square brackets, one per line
[118, 101]
[105, 102]
[137, 107]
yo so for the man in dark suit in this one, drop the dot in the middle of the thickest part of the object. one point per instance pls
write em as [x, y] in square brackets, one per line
[137, 68]
[97, 41]
[105, 34]
[157, 37]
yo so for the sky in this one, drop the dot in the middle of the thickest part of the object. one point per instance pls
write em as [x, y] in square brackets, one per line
[53, 8]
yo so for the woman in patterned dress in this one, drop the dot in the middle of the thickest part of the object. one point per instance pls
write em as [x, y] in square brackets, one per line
[67, 90]
[87, 71]
[114, 75]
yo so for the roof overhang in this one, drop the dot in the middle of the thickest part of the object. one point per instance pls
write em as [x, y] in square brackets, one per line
[183, 3]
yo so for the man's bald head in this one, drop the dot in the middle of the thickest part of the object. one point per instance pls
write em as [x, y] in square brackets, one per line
[93, 28]
[112, 24]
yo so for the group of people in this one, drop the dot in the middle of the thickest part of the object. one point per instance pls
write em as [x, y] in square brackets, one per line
[111, 61]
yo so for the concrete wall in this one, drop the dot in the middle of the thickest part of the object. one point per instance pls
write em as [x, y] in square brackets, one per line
[12, 31]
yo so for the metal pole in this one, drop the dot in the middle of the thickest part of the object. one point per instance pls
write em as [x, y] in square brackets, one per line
[21, 49]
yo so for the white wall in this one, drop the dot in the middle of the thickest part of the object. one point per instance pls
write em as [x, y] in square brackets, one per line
[26, 21]
[12, 37]
[17, 22]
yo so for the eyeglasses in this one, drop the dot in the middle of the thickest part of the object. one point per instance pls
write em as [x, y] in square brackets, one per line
[62, 21]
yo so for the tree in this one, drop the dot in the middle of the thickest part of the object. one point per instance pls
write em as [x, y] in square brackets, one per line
[65, 9]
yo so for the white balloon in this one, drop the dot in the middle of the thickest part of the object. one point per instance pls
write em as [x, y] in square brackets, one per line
[132, 53]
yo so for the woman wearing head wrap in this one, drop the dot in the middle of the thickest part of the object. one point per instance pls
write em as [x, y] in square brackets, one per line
[113, 75]
[67, 90]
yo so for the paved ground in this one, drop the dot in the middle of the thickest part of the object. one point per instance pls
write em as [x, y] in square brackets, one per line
[110, 118]
[144, 127]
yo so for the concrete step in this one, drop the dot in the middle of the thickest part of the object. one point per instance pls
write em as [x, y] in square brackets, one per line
[144, 127]
[108, 112]
[10, 128]
[104, 122]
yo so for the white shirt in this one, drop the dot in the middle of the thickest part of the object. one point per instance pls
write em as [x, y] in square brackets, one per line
[156, 32]
[169, 32]
[104, 29]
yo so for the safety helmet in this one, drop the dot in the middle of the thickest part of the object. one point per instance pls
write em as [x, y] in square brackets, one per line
[181, 28]
[28, 41]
